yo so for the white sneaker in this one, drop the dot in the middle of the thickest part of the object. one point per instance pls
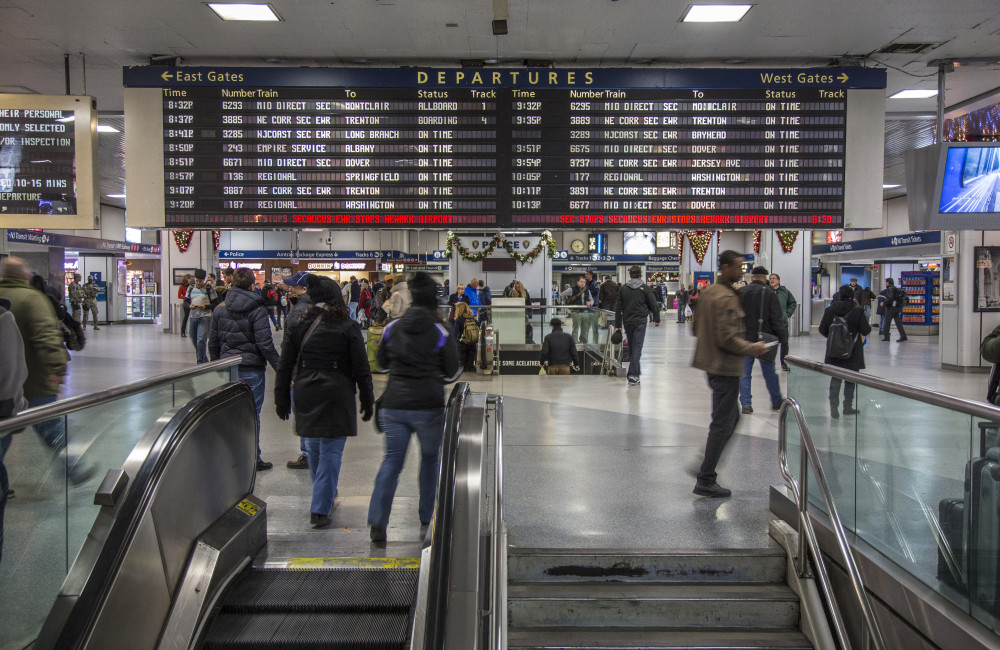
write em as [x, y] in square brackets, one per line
[633, 381]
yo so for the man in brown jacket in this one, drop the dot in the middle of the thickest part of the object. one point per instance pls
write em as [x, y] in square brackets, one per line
[719, 352]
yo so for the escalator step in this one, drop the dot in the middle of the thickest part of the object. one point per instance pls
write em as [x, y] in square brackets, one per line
[372, 631]
[343, 590]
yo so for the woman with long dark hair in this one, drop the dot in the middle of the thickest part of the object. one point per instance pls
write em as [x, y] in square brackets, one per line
[421, 357]
[324, 355]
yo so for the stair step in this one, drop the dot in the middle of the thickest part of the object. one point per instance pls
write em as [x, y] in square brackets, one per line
[600, 604]
[568, 565]
[660, 638]
[337, 631]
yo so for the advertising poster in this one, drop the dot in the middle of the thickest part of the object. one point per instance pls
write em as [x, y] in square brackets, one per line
[986, 286]
[949, 280]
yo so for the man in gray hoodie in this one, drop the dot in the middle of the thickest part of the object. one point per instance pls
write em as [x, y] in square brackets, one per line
[633, 307]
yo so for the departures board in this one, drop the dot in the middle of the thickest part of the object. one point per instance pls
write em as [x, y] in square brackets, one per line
[481, 148]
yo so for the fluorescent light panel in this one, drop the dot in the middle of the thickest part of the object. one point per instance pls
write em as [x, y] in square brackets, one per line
[104, 128]
[889, 187]
[715, 13]
[115, 196]
[915, 93]
[258, 12]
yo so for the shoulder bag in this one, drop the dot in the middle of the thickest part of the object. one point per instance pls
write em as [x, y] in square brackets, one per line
[766, 337]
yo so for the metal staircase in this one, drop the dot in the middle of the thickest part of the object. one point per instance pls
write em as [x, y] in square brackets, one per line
[652, 600]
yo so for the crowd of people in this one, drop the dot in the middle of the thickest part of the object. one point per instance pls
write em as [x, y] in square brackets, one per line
[324, 363]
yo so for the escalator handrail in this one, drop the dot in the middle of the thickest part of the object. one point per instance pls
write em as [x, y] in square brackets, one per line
[77, 626]
[89, 400]
[442, 538]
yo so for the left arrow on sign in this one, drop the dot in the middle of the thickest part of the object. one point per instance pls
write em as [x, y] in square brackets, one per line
[166, 76]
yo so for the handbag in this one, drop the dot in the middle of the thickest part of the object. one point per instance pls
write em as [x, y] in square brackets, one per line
[616, 337]
[766, 337]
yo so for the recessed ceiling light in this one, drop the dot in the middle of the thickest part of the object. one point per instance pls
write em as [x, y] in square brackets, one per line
[104, 128]
[915, 93]
[715, 13]
[115, 196]
[259, 12]
[889, 187]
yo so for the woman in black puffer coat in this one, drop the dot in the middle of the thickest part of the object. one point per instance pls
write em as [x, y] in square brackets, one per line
[421, 357]
[857, 325]
[325, 357]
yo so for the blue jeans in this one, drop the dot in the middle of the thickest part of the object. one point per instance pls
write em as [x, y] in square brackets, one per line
[636, 335]
[52, 432]
[681, 317]
[199, 337]
[254, 378]
[770, 380]
[398, 425]
[325, 455]
[352, 308]
[272, 314]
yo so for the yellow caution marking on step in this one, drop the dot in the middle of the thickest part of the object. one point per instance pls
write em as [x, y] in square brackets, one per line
[353, 563]
[248, 506]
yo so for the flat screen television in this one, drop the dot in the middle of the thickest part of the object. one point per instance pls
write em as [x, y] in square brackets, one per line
[967, 190]
[640, 242]
[48, 162]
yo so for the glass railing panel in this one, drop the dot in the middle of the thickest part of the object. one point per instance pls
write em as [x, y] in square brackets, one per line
[101, 438]
[911, 458]
[913, 479]
[34, 562]
[835, 440]
[53, 510]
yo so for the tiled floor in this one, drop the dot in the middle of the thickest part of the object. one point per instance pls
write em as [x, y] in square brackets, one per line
[589, 462]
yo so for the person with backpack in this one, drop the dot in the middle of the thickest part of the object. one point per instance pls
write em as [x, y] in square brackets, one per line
[466, 332]
[270, 297]
[844, 325]
[895, 300]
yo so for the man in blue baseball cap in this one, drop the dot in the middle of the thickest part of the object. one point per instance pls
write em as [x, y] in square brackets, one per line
[297, 295]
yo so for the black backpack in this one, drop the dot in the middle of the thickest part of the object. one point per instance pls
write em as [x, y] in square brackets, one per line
[839, 340]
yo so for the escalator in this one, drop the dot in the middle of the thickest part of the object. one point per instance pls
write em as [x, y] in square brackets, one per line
[169, 563]
[310, 608]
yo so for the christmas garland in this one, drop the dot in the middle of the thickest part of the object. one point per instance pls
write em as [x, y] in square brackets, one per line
[216, 234]
[183, 239]
[658, 277]
[680, 247]
[546, 244]
[756, 241]
[700, 240]
[787, 239]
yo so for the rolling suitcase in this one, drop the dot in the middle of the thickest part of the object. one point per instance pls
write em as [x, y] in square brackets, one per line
[951, 558]
[983, 507]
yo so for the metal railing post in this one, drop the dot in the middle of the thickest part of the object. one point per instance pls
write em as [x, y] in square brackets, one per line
[810, 458]
[804, 571]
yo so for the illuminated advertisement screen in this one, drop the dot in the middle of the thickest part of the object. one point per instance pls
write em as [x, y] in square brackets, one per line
[971, 180]
[639, 242]
[47, 166]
